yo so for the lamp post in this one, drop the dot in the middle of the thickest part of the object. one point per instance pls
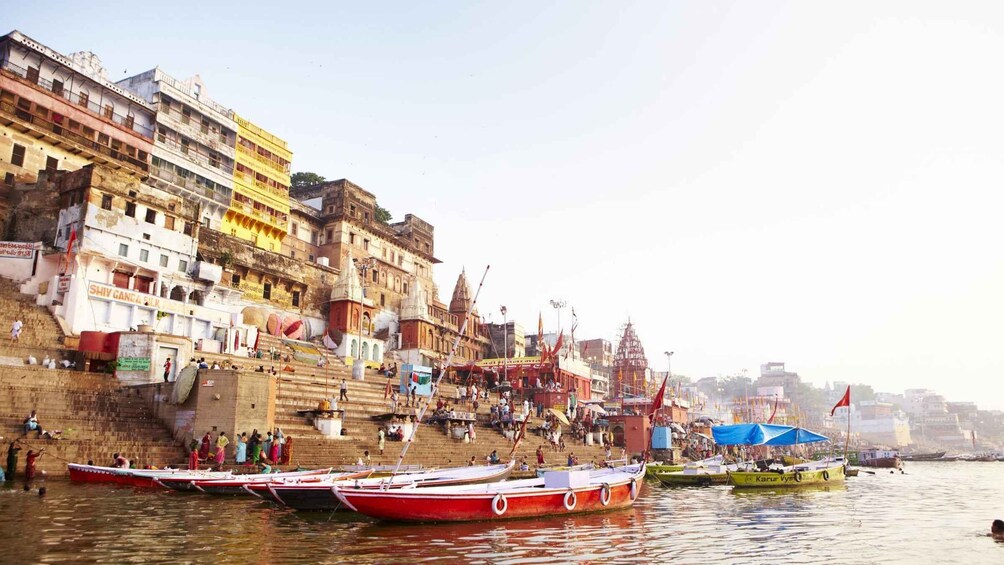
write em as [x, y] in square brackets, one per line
[505, 345]
[363, 266]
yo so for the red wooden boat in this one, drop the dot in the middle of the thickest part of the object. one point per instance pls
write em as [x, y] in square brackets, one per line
[133, 477]
[557, 493]
[320, 495]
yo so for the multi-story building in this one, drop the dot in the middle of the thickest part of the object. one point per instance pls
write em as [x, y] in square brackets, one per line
[507, 340]
[599, 354]
[348, 222]
[61, 112]
[193, 152]
[259, 210]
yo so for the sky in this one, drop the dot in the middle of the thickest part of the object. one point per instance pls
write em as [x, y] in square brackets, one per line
[817, 183]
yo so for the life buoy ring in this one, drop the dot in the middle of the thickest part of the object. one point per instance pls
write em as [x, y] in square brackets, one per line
[634, 489]
[500, 504]
[570, 500]
[605, 494]
[826, 475]
[798, 477]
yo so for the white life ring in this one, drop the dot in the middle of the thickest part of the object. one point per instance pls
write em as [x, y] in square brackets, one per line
[634, 489]
[497, 508]
[570, 500]
[604, 494]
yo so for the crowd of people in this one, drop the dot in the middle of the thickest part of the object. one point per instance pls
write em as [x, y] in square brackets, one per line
[271, 449]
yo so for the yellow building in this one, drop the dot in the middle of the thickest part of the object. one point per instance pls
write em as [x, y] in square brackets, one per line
[259, 209]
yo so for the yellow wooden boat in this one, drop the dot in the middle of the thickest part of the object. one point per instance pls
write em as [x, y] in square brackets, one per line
[811, 473]
[654, 468]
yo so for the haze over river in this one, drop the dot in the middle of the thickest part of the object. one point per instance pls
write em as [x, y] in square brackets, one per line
[935, 513]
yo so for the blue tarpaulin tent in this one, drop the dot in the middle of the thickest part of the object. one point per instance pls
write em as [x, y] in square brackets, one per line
[763, 434]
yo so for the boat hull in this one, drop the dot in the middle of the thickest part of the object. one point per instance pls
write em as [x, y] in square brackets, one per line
[653, 470]
[321, 496]
[493, 502]
[788, 478]
[678, 478]
[882, 463]
[92, 474]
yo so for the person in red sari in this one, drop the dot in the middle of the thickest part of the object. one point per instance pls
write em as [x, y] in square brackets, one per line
[205, 446]
[29, 467]
[193, 460]
[287, 451]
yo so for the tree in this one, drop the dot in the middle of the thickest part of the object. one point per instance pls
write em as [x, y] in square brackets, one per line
[302, 179]
[383, 214]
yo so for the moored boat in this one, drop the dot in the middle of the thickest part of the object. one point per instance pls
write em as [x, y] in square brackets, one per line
[880, 458]
[659, 467]
[932, 456]
[320, 495]
[557, 493]
[185, 481]
[236, 483]
[811, 473]
[711, 471]
[133, 477]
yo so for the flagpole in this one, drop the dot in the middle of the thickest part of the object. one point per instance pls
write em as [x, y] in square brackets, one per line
[847, 439]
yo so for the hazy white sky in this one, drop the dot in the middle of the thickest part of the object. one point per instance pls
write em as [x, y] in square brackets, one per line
[809, 182]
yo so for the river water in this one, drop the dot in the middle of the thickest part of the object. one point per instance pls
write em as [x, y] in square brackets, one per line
[935, 513]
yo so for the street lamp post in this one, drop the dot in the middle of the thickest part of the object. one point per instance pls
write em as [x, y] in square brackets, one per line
[505, 345]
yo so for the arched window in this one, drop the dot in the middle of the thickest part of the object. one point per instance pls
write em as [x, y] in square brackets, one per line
[366, 350]
[429, 339]
[367, 327]
[178, 293]
[353, 348]
[376, 352]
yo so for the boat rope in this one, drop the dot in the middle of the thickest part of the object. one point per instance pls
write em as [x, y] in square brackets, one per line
[435, 385]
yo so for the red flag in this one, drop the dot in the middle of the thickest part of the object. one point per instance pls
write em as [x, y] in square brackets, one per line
[657, 401]
[845, 401]
[557, 344]
[774, 413]
[69, 247]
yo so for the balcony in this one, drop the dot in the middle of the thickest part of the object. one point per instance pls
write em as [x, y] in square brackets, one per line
[265, 161]
[85, 102]
[167, 178]
[39, 125]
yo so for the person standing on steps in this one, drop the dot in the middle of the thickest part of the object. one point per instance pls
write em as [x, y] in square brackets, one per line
[343, 392]
[380, 440]
[167, 369]
[12, 460]
[15, 329]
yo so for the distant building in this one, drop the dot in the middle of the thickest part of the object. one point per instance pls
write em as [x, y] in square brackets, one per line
[508, 340]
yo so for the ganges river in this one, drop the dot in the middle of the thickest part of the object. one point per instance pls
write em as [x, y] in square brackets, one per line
[935, 513]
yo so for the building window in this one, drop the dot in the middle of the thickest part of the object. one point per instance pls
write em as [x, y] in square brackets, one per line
[188, 229]
[352, 238]
[163, 260]
[292, 254]
[296, 298]
[51, 165]
[293, 229]
[106, 202]
[8, 179]
[151, 216]
[404, 288]
[131, 209]
[366, 244]
[82, 98]
[266, 291]
[146, 237]
[169, 222]
[366, 217]
[383, 299]
[109, 111]
[120, 280]
[205, 222]
[33, 74]
[352, 210]
[17, 155]
[123, 250]
[235, 280]
[375, 275]
[400, 260]
[144, 255]
[183, 265]
[311, 257]
[57, 87]
[313, 237]
[329, 235]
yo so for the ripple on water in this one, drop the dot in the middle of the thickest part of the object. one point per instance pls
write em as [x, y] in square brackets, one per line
[937, 512]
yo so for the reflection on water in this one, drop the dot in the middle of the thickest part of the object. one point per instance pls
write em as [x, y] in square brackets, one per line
[937, 512]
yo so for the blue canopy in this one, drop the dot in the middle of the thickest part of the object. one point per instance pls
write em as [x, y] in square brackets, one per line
[763, 434]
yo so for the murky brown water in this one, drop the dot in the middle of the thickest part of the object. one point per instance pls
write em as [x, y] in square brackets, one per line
[936, 513]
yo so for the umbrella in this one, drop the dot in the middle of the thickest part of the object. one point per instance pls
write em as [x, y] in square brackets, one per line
[557, 414]
[595, 408]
